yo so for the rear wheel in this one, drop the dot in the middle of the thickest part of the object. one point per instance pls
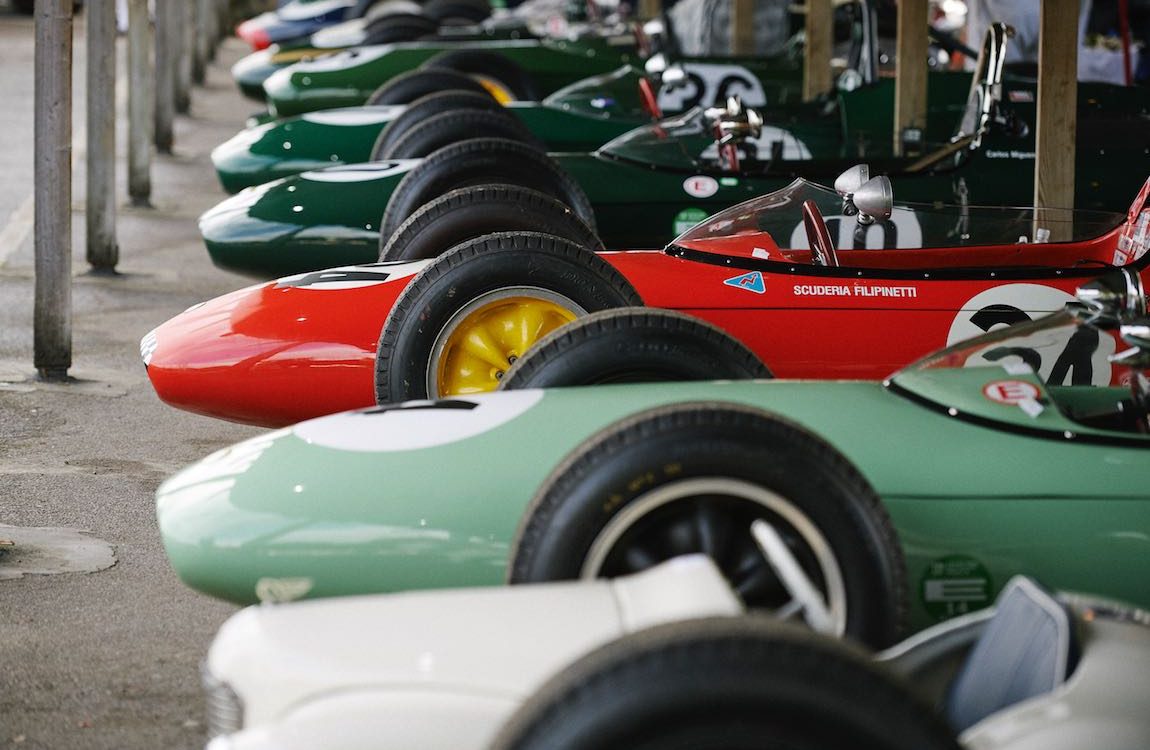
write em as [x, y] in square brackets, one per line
[697, 478]
[724, 684]
[459, 125]
[634, 345]
[399, 27]
[407, 87]
[468, 315]
[483, 161]
[501, 76]
[472, 212]
[429, 106]
[472, 11]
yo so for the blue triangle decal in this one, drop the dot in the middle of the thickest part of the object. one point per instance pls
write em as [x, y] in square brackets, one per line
[752, 282]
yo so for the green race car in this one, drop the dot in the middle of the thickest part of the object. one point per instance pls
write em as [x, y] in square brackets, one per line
[647, 186]
[967, 464]
[581, 118]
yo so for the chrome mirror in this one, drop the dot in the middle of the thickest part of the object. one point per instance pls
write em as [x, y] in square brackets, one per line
[1114, 297]
[851, 180]
[874, 199]
[734, 122]
[656, 64]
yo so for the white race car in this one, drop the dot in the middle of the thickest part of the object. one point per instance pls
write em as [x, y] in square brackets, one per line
[612, 664]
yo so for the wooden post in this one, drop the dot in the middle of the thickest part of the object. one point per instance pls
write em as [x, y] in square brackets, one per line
[141, 100]
[167, 50]
[910, 84]
[185, 41]
[205, 17]
[817, 52]
[742, 27]
[52, 306]
[1057, 119]
[649, 9]
[100, 202]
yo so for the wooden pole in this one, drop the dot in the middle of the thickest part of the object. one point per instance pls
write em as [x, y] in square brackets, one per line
[742, 27]
[204, 18]
[1057, 119]
[185, 41]
[167, 50]
[141, 101]
[52, 306]
[649, 9]
[817, 52]
[910, 84]
[100, 201]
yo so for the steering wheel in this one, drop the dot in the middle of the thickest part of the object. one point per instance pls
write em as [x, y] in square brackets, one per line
[822, 249]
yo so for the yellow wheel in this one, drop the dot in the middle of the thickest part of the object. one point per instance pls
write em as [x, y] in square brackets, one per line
[461, 321]
[498, 91]
[485, 337]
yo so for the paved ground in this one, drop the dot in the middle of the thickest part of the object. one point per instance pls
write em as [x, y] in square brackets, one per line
[106, 659]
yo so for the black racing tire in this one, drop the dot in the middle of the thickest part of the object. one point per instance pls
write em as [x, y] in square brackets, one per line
[691, 478]
[407, 87]
[472, 212]
[399, 27]
[507, 73]
[482, 161]
[634, 345]
[728, 683]
[436, 310]
[460, 125]
[429, 106]
[472, 11]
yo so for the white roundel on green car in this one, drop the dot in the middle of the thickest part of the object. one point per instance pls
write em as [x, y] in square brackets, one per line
[1066, 348]
[415, 425]
[793, 149]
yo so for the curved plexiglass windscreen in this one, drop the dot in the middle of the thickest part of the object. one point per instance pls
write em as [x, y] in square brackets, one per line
[775, 220]
[1061, 349]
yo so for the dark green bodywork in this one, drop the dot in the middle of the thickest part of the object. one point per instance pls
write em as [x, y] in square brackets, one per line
[349, 78]
[637, 184]
[580, 117]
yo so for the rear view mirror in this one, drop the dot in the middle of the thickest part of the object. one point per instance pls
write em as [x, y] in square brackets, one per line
[874, 200]
[1114, 297]
[851, 180]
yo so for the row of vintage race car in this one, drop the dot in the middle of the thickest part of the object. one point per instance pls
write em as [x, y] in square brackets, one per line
[878, 421]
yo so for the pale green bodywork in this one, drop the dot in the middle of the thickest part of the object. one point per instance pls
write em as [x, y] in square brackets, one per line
[1074, 514]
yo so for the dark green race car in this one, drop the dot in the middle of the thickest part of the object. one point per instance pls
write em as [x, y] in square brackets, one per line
[644, 188]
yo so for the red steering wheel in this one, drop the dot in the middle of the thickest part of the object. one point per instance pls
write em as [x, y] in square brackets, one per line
[822, 249]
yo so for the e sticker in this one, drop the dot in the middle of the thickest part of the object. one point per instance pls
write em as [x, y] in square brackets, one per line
[1011, 392]
[700, 186]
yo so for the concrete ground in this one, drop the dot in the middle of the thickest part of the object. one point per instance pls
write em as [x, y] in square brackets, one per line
[107, 659]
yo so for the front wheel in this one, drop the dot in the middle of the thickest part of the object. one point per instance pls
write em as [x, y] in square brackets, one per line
[724, 684]
[700, 477]
[466, 317]
[634, 345]
[471, 212]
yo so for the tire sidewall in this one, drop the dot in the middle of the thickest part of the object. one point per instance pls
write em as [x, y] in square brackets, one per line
[462, 275]
[569, 514]
[500, 213]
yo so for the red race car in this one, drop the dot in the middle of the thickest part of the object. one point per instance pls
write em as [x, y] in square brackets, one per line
[818, 283]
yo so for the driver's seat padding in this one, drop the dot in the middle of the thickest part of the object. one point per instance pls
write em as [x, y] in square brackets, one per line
[1027, 649]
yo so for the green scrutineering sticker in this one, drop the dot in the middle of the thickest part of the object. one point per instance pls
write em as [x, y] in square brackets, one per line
[955, 585]
[688, 218]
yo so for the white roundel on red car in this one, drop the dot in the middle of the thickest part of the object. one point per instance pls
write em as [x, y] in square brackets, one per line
[1009, 304]
[413, 425]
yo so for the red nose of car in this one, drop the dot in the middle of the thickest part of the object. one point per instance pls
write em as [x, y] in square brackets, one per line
[240, 356]
[254, 34]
